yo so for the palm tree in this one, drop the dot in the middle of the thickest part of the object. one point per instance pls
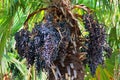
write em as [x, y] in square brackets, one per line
[17, 14]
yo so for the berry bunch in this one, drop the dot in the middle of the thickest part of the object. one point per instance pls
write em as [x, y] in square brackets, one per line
[54, 44]
[47, 42]
[97, 42]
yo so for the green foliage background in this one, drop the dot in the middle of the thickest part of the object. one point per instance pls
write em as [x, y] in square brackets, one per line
[13, 14]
